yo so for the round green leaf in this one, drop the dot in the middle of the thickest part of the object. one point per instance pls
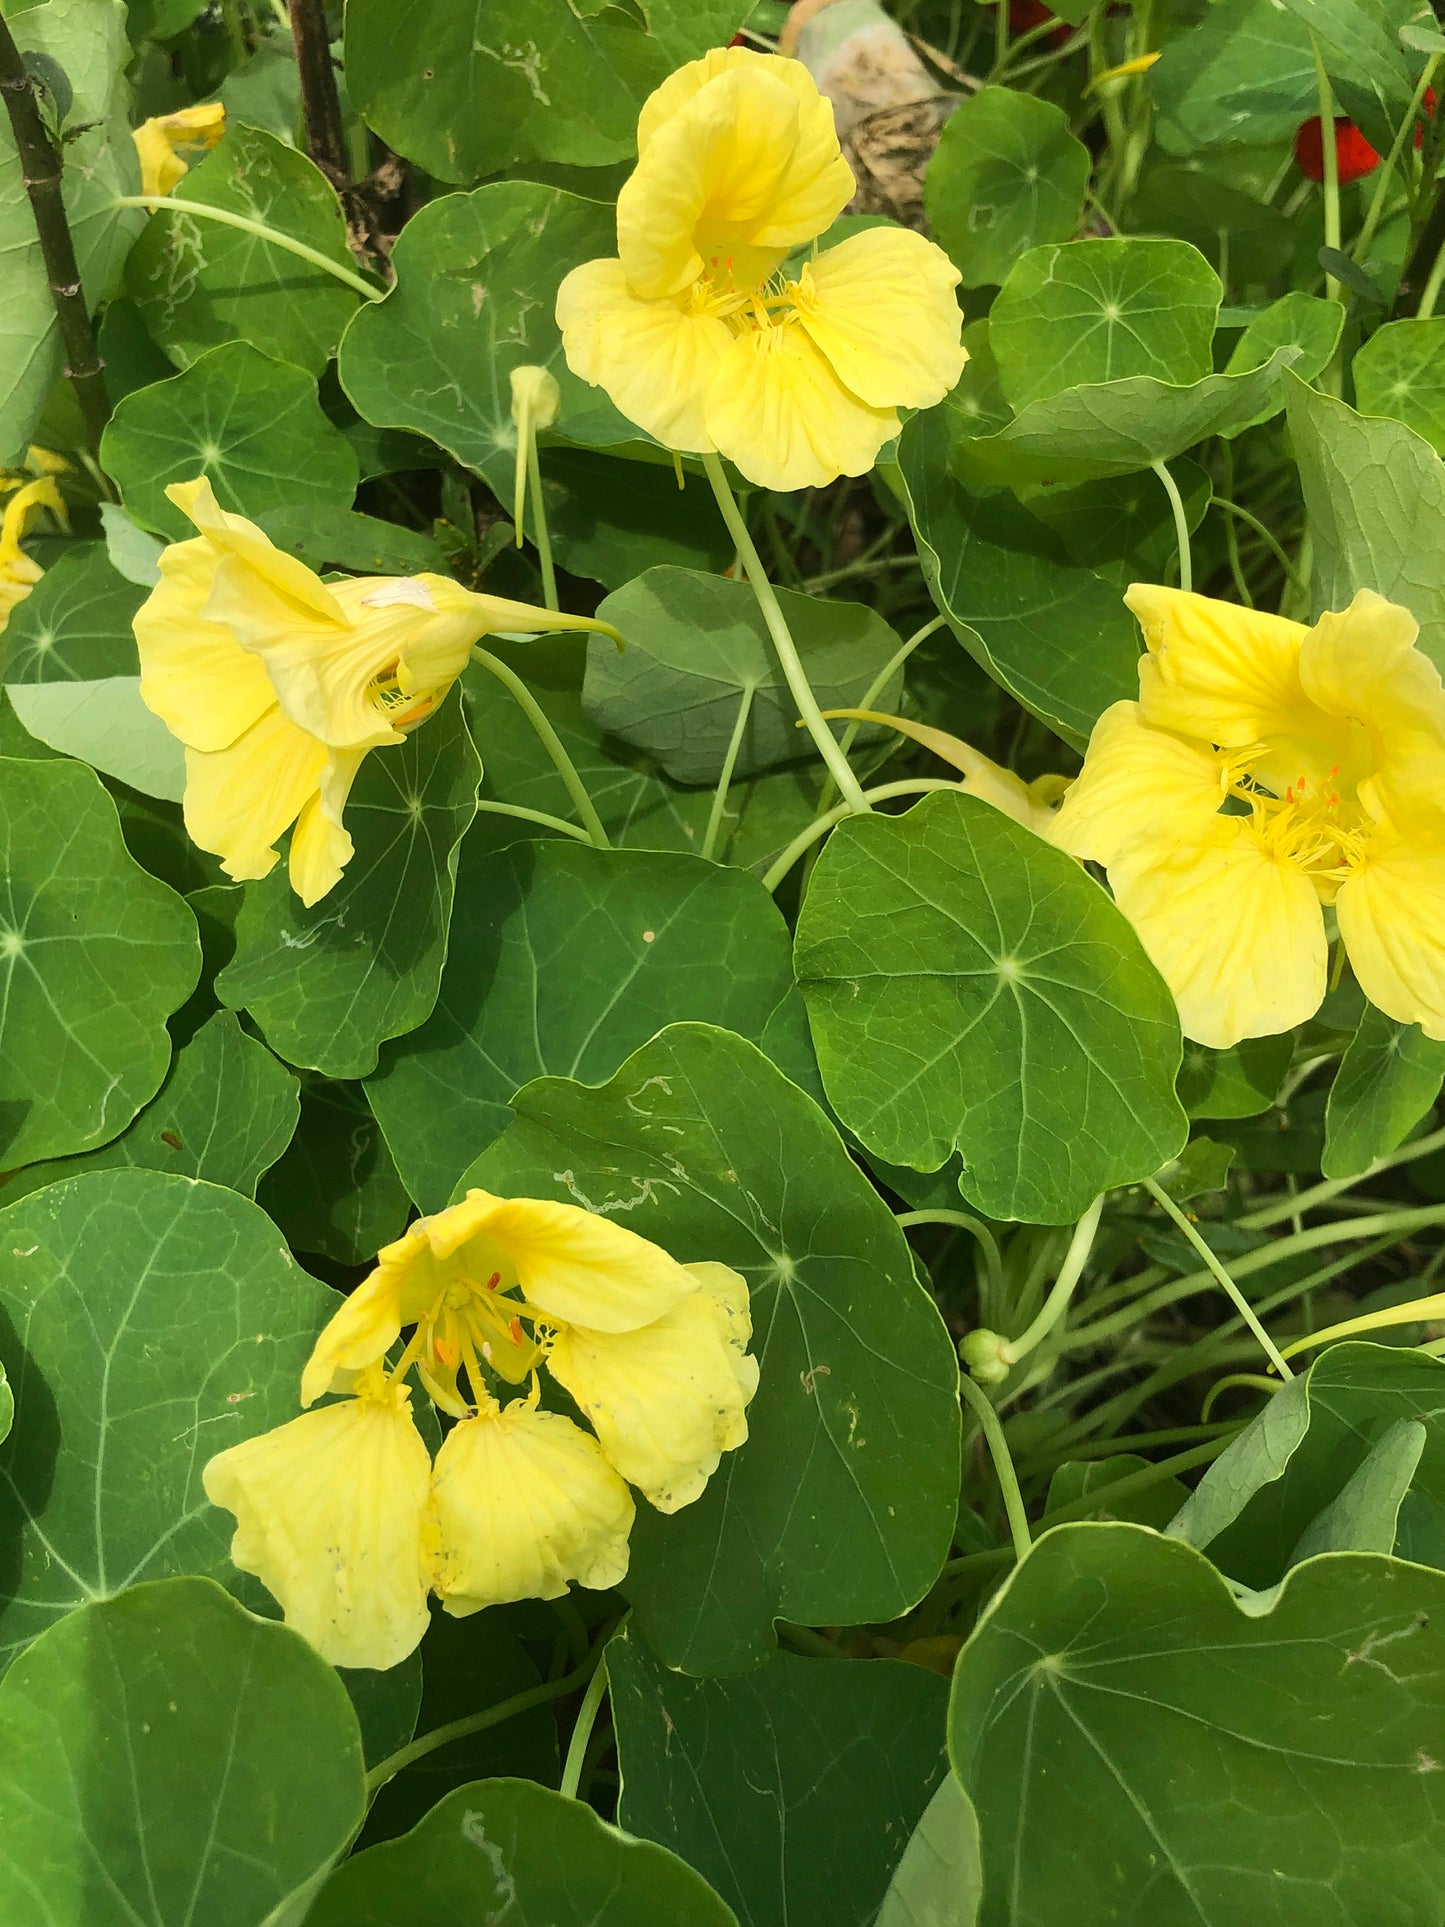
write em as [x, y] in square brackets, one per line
[841, 1505]
[939, 1882]
[1244, 239]
[476, 286]
[696, 643]
[251, 425]
[760, 1782]
[1006, 175]
[1239, 1082]
[167, 1759]
[1054, 635]
[467, 87]
[105, 723]
[327, 985]
[225, 1113]
[75, 625]
[564, 959]
[335, 1189]
[612, 519]
[199, 284]
[1242, 66]
[150, 1321]
[1123, 528]
[1388, 1079]
[1119, 427]
[1400, 371]
[970, 988]
[1096, 311]
[1140, 1746]
[506, 1850]
[94, 956]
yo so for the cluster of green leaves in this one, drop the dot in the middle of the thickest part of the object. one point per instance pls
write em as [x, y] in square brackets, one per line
[750, 1036]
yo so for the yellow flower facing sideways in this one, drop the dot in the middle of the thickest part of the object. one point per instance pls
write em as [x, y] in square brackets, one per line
[279, 684]
[699, 333]
[342, 1514]
[19, 572]
[168, 142]
[1267, 772]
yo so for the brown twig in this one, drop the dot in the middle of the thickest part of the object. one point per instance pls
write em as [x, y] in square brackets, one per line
[41, 169]
[326, 134]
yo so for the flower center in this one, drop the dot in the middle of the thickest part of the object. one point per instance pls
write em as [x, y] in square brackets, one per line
[473, 1331]
[1312, 826]
[401, 710]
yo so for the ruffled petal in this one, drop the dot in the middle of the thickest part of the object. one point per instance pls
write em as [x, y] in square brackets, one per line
[667, 1401]
[1235, 931]
[1362, 664]
[239, 800]
[743, 170]
[1135, 782]
[525, 1503]
[233, 535]
[574, 1265]
[881, 307]
[1391, 914]
[195, 676]
[655, 359]
[321, 847]
[680, 87]
[1224, 674]
[779, 412]
[332, 1516]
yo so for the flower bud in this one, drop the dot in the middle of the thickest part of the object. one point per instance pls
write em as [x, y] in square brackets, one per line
[988, 1357]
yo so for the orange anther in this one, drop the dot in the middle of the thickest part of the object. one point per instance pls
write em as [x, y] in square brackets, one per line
[515, 1328]
[494, 1281]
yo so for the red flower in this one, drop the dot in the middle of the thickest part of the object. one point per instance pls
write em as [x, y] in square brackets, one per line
[1354, 156]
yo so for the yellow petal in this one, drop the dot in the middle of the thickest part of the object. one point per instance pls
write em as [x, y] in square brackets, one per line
[233, 535]
[332, 1516]
[655, 359]
[366, 1324]
[881, 307]
[197, 129]
[667, 1401]
[741, 172]
[525, 1503]
[1219, 672]
[1235, 931]
[239, 800]
[20, 512]
[779, 412]
[321, 847]
[680, 87]
[195, 676]
[574, 1265]
[1391, 913]
[1135, 782]
[1362, 664]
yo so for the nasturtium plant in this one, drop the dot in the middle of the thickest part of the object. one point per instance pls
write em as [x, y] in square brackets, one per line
[722, 979]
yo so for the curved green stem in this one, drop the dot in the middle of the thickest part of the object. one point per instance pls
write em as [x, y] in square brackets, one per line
[1181, 526]
[507, 1709]
[558, 823]
[820, 825]
[549, 739]
[1253, 522]
[783, 644]
[582, 1733]
[1241, 1303]
[978, 1401]
[272, 236]
[724, 781]
[1070, 1272]
[964, 1221]
[875, 689]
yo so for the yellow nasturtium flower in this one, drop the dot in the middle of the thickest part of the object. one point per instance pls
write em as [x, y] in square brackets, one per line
[19, 572]
[166, 140]
[1267, 771]
[279, 683]
[698, 332]
[340, 1512]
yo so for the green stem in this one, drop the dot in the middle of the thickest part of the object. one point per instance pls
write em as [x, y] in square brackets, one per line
[875, 689]
[1241, 1303]
[803, 1639]
[783, 643]
[1013, 1499]
[1331, 162]
[1432, 287]
[724, 781]
[1392, 160]
[1253, 522]
[1319, 1194]
[582, 1733]
[988, 1244]
[1181, 526]
[507, 1709]
[557, 823]
[1070, 1272]
[880, 793]
[272, 236]
[550, 741]
[540, 533]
